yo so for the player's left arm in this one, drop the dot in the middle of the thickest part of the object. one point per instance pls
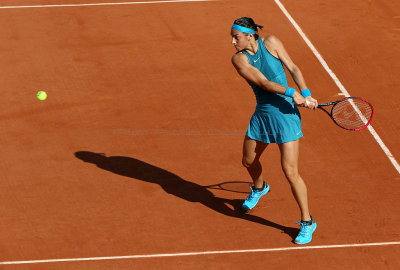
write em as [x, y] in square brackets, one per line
[277, 47]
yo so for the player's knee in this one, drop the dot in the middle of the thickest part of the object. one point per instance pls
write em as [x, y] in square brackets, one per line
[292, 174]
[247, 162]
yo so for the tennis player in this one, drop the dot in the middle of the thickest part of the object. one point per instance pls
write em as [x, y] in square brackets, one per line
[276, 119]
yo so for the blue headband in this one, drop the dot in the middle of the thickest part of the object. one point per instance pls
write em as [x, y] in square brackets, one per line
[243, 29]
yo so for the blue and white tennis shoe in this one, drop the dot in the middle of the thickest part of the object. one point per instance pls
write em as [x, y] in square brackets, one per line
[254, 196]
[307, 229]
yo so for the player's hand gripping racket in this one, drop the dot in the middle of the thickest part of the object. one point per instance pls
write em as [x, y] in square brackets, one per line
[350, 113]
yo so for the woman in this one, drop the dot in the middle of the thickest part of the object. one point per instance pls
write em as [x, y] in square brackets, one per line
[276, 118]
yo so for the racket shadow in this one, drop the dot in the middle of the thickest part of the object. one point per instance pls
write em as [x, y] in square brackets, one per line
[177, 186]
[231, 186]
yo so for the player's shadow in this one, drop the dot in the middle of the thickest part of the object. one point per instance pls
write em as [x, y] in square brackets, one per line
[175, 185]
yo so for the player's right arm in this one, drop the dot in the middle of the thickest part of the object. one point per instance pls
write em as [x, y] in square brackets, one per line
[253, 75]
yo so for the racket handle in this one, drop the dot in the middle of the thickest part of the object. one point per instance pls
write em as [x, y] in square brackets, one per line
[308, 103]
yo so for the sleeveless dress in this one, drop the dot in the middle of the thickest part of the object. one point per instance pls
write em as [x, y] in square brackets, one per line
[276, 118]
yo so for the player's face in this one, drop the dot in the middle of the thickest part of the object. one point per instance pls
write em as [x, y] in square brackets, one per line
[239, 40]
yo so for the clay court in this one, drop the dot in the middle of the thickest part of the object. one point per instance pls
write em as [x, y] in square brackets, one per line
[134, 159]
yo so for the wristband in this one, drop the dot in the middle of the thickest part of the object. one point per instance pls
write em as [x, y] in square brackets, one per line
[290, 92]
[306, 93]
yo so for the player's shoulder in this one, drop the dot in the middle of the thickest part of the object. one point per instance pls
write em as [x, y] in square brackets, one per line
[271, 40]
[238, 58]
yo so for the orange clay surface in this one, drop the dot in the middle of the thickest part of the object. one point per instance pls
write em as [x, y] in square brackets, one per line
[145, 115]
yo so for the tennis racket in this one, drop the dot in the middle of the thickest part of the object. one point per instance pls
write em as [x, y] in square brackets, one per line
[350, 113]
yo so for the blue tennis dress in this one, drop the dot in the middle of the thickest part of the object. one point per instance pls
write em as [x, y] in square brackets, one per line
[276, 119]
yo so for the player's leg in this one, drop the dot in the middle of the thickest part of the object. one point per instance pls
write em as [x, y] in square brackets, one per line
[289, 159]
[252, 151]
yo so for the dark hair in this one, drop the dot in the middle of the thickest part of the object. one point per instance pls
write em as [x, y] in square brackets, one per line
[249, 23]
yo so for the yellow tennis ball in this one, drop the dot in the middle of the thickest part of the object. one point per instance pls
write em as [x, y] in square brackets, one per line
[41, 95]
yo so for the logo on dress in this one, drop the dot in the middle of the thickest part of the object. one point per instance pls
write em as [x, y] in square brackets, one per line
[257, 59]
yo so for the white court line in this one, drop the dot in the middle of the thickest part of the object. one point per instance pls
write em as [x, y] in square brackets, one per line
[105, 4]
[338, 83]
[201, 253]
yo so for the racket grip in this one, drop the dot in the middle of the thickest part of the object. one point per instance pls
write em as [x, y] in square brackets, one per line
[308, 103]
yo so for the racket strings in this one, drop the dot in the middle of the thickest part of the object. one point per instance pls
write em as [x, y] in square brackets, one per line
[352, 113]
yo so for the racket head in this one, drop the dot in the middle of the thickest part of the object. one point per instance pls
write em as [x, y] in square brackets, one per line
[352, 113]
